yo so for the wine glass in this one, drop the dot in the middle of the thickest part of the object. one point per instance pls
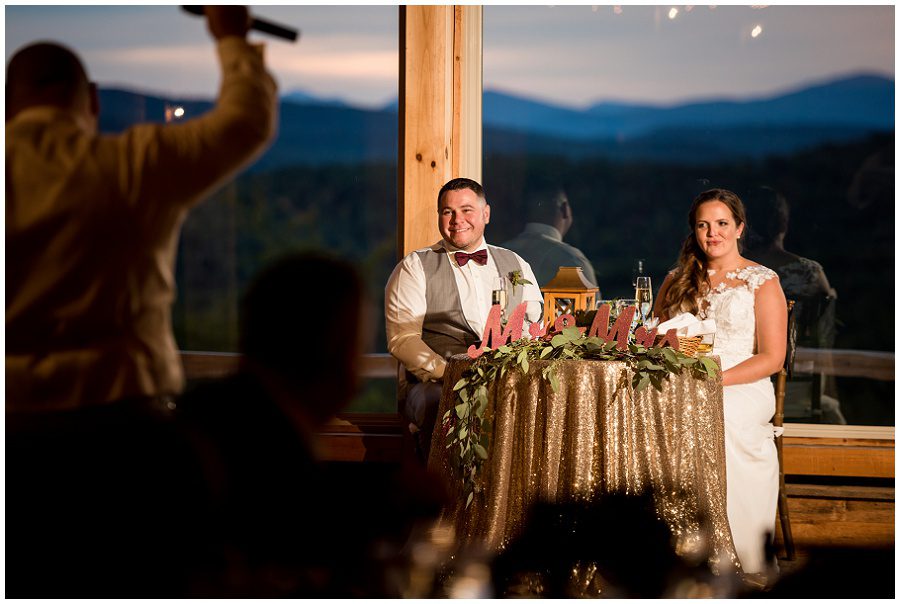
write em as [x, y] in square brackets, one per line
[643, 294]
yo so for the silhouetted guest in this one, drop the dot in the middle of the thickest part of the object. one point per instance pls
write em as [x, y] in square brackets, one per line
[802, 279]
[549, 216]
[105, 501]
[615, 546]
[92, 221]
[291, 526]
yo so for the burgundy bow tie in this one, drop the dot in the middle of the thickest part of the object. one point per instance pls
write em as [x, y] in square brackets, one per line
[480, 257]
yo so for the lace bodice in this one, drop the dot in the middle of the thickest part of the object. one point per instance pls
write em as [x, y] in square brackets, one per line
[731, 304]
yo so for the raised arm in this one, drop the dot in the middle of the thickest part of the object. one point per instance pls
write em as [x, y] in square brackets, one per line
[771, 337]
[178, 164]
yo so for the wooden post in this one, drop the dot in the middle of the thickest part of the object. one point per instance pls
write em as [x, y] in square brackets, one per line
[440, 113]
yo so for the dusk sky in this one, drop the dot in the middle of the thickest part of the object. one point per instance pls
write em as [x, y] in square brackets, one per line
[570, 55]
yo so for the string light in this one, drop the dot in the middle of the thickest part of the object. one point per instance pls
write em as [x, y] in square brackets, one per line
[673, 12]
[756, 31]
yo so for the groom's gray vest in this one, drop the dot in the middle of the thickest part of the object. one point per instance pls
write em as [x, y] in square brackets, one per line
[445, 328]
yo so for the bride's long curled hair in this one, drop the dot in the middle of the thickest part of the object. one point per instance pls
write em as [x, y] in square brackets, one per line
[689, 279]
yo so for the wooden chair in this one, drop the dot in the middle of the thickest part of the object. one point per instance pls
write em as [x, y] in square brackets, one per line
[778, 422]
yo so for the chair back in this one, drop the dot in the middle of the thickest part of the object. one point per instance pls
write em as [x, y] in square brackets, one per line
[791, 349]
[787, 368]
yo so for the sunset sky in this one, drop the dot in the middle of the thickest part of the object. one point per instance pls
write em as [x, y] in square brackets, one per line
[569, 55]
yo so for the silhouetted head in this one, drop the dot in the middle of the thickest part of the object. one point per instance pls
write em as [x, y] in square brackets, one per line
[767, 215]
[620, 534]
[302, 320]
[46, 73]
[549, 205]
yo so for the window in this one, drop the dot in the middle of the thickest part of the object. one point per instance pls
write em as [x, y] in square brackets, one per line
[634, 110]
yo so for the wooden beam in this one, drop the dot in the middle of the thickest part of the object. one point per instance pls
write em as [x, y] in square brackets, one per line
[440, 113]
[840, 516]
[426, 77]
[838, 457]
[213, 365]
[467, 92]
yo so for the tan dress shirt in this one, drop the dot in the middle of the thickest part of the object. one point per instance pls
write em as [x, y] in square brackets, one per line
[92, 225]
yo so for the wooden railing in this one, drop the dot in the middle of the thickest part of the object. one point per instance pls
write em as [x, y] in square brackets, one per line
[847, 363]
[871, 364]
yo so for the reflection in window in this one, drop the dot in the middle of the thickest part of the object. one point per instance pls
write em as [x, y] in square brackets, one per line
[634, 110]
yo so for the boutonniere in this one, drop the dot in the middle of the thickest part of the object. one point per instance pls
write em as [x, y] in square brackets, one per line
[516, 278]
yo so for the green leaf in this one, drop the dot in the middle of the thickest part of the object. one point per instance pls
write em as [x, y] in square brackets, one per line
[710, 366]
[554, 382]
[481, 393]
[462, 411]
[559, 340]
[464, 396]
[522, 356]
[460, 384]
[463, 432]
[546, 351]
[642, 383]
[572, 333]
[505, 349]
[481, 452]
[469, 499]
[525, 365]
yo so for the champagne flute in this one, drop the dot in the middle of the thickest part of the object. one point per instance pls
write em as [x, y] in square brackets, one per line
[643, 294]
[499, 294]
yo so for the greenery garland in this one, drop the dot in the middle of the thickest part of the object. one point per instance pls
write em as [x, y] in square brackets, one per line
[467, 432]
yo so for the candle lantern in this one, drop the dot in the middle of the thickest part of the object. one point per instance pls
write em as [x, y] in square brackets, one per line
[566, 293]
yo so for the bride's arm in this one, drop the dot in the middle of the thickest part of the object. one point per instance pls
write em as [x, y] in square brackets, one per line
[771, 337]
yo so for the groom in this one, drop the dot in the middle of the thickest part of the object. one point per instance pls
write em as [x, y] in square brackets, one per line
[437, 299]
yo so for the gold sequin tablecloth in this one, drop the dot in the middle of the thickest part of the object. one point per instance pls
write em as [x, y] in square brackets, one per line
[594, 435]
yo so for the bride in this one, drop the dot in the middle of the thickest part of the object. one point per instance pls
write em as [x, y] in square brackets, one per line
[712, 280]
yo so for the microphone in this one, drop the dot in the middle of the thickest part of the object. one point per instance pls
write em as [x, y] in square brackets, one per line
[260, 25]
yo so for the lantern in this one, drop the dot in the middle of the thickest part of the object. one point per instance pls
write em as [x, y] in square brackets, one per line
[566, 293]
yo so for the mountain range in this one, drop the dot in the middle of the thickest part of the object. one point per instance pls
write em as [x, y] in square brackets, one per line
[314, 131]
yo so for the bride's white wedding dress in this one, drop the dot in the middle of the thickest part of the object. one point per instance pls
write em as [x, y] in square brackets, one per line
[751, 461]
